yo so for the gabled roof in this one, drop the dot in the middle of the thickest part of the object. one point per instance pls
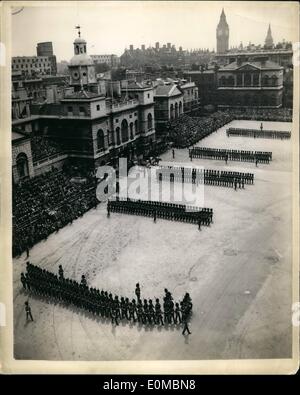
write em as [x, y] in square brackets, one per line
[82, 95]
[256, 64]
[167, 90]
[138, 85]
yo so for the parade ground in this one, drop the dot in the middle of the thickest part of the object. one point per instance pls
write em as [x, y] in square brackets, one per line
[238, 271]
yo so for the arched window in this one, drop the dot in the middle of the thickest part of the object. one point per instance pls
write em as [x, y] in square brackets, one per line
[239, 79]
[136, 131]
[131, 130]
[266, 80]
[230, 81]
[100, 139]
[77, 49]
[172, 111]
[176, 110]
[255, 79]
[180, 108]
[118, 136]
[247, 79]
[22, 165]
[149, 121]
[124, 130]
[222, 81]
[274, 80]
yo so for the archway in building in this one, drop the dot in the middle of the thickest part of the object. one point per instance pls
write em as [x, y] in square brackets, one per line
[124, 130]
[274, 80]
[136, 127]
[176, 110]
[172, 111]
[266, 80]
[22, 166]
[100, 139]
[149, 121]
[131, 130]
[222, 81]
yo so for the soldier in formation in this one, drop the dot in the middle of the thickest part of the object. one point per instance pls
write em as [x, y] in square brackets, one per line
[101, 303]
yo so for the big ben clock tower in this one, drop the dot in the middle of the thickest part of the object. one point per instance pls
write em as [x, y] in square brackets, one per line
[222, 34]
[81, 65]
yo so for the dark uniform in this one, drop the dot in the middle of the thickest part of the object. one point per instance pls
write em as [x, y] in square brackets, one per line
[23, 280]
[60, 272]
[185, 325]
[138, 291]
[28, 311]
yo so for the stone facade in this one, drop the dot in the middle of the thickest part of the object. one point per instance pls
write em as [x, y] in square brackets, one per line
[255, 84]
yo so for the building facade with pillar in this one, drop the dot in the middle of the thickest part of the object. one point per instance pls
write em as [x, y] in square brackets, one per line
[254, 84]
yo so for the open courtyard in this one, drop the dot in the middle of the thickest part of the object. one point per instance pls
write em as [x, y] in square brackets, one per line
[238, 271]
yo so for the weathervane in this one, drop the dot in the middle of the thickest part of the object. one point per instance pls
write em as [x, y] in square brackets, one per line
[78, 27]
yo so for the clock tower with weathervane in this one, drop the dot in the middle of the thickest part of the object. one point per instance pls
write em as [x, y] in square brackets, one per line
[81, 66]
[222, 34]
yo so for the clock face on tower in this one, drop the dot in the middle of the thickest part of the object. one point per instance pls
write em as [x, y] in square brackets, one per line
[75, 75]
[220, 32]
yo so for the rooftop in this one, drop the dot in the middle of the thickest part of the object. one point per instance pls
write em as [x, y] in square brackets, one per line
[262, 65]
[167, 90]
[82, 95]
[17, 136]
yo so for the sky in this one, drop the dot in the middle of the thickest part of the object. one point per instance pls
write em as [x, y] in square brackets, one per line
[111, 26]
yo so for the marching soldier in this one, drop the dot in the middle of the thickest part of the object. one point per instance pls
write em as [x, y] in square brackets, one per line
[28, 311]
[140, 311]
[158, 313]
[23, 280]
[185, 321]
[177, 317]
[60, 272]
[138, 291]
[151, 311]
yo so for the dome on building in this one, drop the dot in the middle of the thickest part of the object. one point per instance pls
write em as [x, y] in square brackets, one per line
[81, 59]
[79, 40]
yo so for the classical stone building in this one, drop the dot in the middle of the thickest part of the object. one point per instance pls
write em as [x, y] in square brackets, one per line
[168, 104]
[250, 84]
[91, 124]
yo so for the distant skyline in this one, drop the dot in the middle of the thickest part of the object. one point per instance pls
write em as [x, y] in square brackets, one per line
[111, 26]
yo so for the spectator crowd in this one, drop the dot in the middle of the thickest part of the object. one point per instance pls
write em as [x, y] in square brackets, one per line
[46, 203]
[186, 131]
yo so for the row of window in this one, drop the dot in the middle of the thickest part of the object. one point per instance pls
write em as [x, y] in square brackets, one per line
[176, 110]
[248, 79]
[30, 66]
[123, 132]
[130, 116]
[30, 60]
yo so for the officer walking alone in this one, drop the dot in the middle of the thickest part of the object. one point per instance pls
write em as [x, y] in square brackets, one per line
[185, 321]
[28, 311]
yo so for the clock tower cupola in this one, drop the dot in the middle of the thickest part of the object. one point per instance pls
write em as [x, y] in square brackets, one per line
[81, 65]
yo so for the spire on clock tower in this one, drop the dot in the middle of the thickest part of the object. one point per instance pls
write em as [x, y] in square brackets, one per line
[222, 34]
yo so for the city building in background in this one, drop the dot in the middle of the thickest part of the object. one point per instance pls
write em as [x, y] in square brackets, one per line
[250, 84]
